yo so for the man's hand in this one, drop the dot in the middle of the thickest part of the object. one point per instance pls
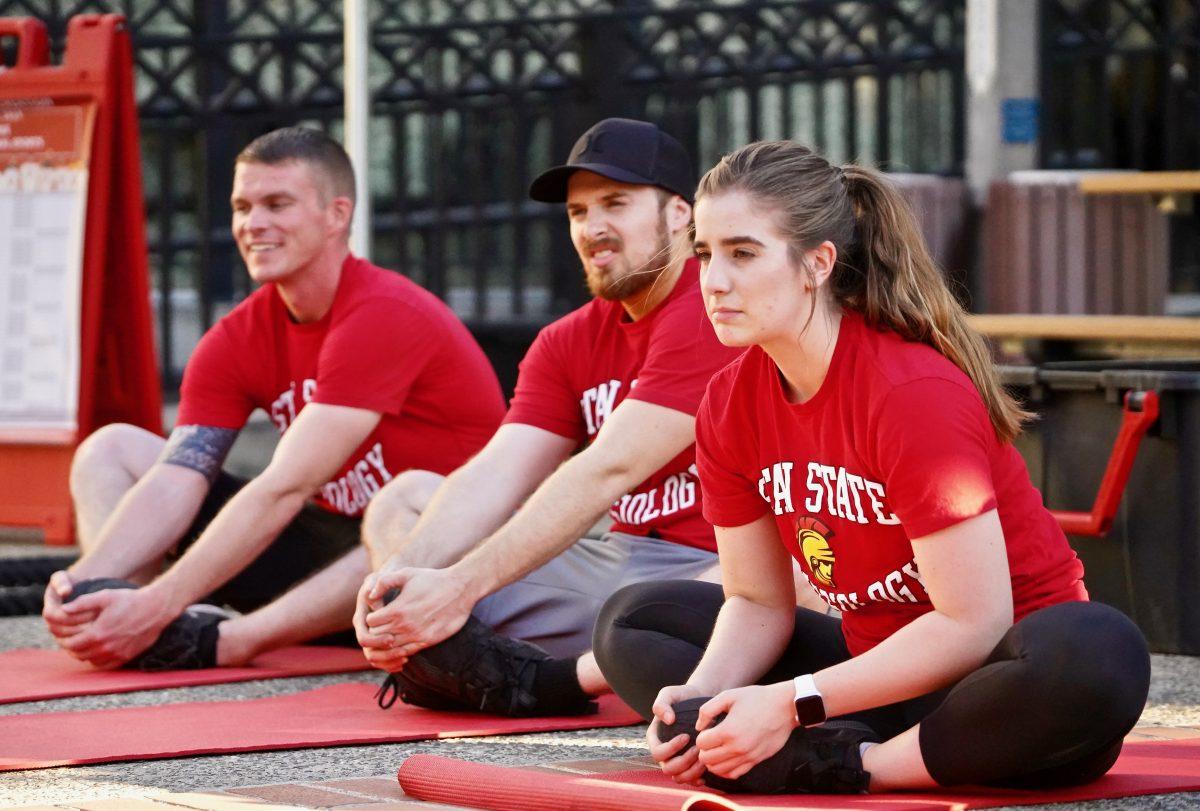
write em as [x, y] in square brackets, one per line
[683, 768]
[433, 605]
[59, 622]
[127, 621]
[757, 724]
[377, 647]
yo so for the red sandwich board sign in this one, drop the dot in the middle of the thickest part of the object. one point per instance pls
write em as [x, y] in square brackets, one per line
[76, 336]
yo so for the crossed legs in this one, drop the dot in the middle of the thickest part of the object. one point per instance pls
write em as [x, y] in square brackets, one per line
[1050, 707]
[111, 461]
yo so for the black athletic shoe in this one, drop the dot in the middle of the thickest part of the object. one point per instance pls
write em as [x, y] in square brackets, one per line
[98, 584]
[475, 669]
[188, 643]
[823, 759]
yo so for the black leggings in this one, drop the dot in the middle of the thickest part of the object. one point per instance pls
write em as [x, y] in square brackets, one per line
[1049, 707]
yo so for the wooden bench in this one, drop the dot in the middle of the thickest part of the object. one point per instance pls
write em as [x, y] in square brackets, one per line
[1171, 190]
[1062, 337]
[1141, 183]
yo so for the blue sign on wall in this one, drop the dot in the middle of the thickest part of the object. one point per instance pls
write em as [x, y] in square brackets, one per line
[1019, 120]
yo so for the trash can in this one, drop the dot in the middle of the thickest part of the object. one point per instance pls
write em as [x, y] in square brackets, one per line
[1148, 562]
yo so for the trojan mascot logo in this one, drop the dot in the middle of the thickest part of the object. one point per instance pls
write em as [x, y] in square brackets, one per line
[812, 538]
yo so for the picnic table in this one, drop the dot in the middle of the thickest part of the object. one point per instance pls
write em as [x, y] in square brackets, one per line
[1065, 337]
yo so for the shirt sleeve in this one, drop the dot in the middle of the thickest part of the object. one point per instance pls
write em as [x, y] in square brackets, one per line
[934, 444]
[730, 497]
[543, 396]
[213, 392]
[373, 355]
[682, 357]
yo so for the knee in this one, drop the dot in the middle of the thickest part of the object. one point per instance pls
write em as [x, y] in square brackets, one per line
[639, 607]
[1100, 661]
[105, 450]
[394, 509]
[652, 634]
[626, 602]
[614, 619]
[1124, 666]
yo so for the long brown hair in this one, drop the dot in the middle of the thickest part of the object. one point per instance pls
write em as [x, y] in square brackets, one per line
[883, 271]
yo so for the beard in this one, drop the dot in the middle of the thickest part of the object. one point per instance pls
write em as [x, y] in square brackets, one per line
[612, 287]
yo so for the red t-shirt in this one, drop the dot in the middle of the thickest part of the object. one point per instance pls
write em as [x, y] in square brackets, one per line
[585, 364]
[896, 444]
[385, 345]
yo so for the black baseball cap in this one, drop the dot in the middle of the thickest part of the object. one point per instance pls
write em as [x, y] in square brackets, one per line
[625, 150]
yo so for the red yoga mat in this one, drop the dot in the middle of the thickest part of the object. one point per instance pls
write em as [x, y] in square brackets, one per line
[30, 674]
[1143, 768]
[338, 715]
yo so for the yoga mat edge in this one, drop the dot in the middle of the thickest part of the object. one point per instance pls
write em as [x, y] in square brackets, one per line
[335, 715]
[36, 674]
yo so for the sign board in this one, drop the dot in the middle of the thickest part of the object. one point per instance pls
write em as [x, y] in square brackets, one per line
[76, 335]
[1019, 121]
[44, 153]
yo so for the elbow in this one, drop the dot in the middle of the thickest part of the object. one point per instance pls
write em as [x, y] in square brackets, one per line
[611, 473]
[995, 629]
[281, 493]
[979, 627]
[766, 604]
[1001, 616]
[987, 628]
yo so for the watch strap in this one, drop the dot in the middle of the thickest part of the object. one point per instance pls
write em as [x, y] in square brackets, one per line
[808, 701]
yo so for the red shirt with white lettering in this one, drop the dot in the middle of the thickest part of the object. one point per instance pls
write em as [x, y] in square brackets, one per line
[896, 444]
[585, 364]
[385, 345]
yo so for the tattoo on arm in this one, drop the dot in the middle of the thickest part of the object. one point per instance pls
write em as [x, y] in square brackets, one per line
[202, 448]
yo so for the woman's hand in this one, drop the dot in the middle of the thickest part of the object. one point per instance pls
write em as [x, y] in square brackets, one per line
[682, 768]
[757, 723]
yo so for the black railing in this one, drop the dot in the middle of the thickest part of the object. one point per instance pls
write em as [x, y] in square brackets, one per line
[471, 98]
[1121, 89]
[1121, 84]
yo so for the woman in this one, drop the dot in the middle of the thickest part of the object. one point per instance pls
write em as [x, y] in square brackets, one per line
[864, 433]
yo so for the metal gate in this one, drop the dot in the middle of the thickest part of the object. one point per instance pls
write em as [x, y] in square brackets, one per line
[474, 97]
[1121, 84]
[1121, 89]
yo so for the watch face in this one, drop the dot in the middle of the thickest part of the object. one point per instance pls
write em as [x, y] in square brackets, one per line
[810, 710]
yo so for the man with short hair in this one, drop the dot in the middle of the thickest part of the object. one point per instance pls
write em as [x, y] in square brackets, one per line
[365, 375]
[493, 579]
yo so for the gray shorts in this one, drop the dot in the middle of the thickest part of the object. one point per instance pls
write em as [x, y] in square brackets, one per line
[556, 606]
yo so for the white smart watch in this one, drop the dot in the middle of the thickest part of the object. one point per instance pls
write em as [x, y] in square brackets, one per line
[810, 706]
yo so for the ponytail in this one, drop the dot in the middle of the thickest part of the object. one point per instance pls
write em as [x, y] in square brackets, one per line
[889, 277]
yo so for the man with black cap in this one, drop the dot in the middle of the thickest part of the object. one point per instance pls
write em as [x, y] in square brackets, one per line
[484, 593]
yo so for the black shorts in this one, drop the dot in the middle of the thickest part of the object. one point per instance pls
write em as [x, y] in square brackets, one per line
[314, 539]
